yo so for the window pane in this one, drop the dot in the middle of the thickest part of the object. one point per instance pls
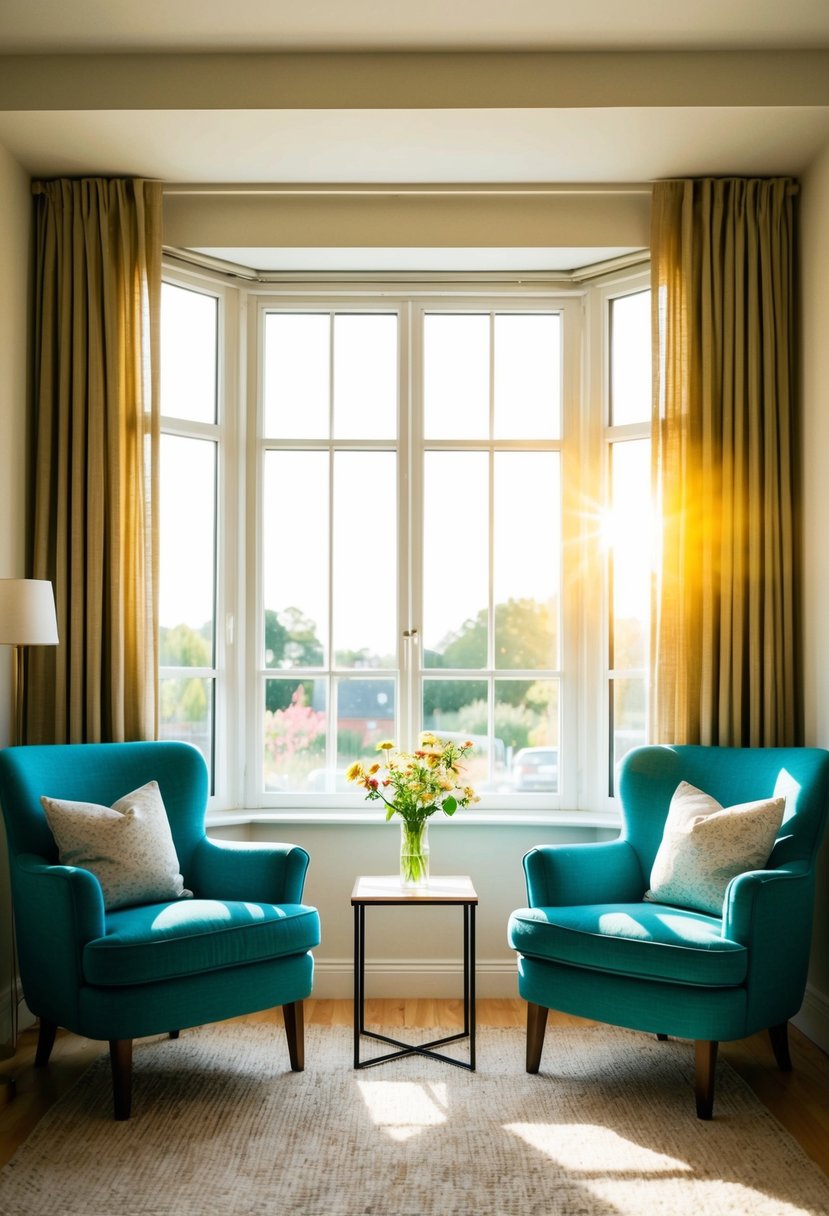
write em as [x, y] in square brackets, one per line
[365, 715]
[527, 727]
[455, 559]
[188, 354]
[295, 559]
[527, 376]
[187, 527]
[297, 380]
[365, 587]
[186, 712]
[459, 709]
[456, 376]
[629, 706]
[630, 541]
[527, 558]
[295, 734]
[365, 376]
[630, 359]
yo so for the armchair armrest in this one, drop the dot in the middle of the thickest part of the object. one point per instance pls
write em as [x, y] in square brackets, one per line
[570, 874]
[770, 913]
[258, 870]
[762, 900]
[58, 910]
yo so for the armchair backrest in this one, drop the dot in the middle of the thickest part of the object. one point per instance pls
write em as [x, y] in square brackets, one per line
[102, 773]
[648, 777]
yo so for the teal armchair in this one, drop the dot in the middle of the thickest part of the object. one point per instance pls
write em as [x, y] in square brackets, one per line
[241, 944]
[589, 944]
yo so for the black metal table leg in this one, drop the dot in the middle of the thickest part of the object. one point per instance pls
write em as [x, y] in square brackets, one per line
[471, 985]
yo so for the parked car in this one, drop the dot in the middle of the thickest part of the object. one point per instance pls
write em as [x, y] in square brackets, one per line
[535, 769]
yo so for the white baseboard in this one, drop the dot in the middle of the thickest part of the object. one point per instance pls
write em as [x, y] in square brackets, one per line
[813, 1018]
[436, 978]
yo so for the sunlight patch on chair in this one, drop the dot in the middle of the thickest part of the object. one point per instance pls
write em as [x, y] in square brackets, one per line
[622, 924]
[404, 1108]
[594, 1149]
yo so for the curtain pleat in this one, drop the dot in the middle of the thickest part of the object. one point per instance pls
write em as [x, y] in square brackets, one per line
[96, 453]
[725, 666]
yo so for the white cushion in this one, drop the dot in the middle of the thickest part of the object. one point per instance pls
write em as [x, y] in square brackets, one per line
[705, 845]
[128, 846]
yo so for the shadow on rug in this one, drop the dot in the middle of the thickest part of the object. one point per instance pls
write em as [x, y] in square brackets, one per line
[221, 1128]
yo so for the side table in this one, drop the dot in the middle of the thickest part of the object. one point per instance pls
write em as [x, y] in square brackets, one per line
[386, 890]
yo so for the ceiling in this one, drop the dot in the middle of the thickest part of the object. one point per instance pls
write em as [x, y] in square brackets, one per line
[639, 122]
[71, 26]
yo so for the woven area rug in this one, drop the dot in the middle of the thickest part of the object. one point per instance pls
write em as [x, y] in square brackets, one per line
[220, 1128]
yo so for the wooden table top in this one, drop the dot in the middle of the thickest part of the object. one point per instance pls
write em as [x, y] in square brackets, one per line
[441, 888]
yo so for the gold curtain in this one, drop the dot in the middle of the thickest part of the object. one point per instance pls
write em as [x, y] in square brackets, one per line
[96, 451]
[725, 663]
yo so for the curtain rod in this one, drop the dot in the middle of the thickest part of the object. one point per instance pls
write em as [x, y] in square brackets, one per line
[517, 189]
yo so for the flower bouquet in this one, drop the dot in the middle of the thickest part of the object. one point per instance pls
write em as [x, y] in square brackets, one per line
[414, 785]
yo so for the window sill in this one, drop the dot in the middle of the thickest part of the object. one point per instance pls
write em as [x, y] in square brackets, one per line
[369, 818]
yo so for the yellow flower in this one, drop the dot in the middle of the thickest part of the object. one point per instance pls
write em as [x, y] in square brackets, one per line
[429, 740]
[384, 745]
[354, 772]
[374, 768]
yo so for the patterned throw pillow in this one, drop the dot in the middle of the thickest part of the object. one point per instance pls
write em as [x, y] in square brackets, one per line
[128, 846]
[705, 845]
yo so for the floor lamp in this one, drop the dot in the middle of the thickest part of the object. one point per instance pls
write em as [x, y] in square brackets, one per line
[27, 618]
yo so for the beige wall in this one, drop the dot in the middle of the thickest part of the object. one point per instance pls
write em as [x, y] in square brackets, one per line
[616, 218]
[15, 230]
[814, 1017]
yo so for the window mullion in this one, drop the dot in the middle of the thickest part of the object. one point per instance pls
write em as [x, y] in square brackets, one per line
[332, 684]
[410, 520]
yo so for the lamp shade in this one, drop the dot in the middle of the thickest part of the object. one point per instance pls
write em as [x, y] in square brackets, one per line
[27, 612]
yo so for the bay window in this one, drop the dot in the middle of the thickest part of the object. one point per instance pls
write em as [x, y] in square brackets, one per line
[405, 512]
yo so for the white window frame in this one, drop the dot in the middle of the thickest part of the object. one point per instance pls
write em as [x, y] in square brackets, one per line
[226, 432]
[256, 674]
[602, 436]
[584, 709]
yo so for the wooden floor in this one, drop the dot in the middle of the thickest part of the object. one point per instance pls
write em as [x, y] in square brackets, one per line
[800, 1099]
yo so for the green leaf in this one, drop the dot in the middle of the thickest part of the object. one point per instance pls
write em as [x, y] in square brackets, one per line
[450, 805]
[389, 813]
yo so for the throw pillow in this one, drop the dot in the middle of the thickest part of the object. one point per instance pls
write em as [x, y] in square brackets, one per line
[128, 846]
[705, 845]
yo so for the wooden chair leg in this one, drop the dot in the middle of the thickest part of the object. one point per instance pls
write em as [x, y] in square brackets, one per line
[779, 1036]
[294, 1018]
[120, 1056]
[706, 1050]
[45, 1042]
[663, 1038]
[174, 1034]
[536, 1026]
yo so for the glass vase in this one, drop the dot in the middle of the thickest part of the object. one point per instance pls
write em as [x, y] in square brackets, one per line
[414, 854]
